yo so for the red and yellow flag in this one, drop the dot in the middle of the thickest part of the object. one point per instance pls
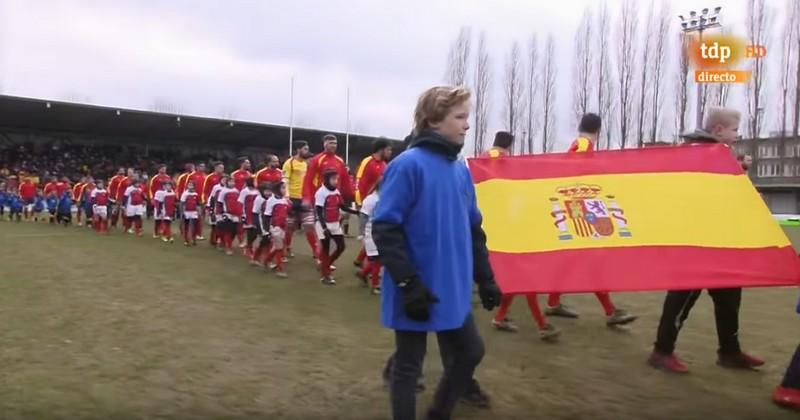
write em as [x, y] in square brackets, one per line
[630, 220]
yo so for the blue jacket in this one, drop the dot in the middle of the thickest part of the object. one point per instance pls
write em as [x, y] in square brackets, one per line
[3, 198]
[15, 203]
[427, 224]
[52, 202]
[65, 204]
[38, 204]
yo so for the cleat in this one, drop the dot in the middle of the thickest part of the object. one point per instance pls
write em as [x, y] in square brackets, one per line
[562, 311]
[164, 239]
[549, 333]
[740, 360]
[376, 290]
[156, 237]
[186, 244]
[328, 281]
[200, 238]
[281, 274]
[669, 363]
[228, 252]
[475, 396]
[787, 397]
[505, 325]
[620, 317]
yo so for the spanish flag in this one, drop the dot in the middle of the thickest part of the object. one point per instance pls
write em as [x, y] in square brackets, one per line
[665, 218]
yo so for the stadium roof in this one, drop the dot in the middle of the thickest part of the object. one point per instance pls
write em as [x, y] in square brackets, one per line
[21, 114]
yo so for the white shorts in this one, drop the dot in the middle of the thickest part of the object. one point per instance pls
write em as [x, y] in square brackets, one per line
[335, 228]
[100, 211]
[278, 237]
[369, 246]
[191, 215]
[134, 210]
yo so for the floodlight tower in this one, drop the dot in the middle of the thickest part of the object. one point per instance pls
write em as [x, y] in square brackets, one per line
[699, 23]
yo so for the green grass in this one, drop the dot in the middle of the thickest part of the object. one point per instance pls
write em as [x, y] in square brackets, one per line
[122, 327]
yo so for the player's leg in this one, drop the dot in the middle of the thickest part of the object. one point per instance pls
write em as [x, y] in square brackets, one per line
[374, 268]
[677, 305]
[278, 237]
[324, 267]
[726, 313]
[556, 308]
[360, 258]
[338, 239]
[78, 212]
[230, 232]
[501, 321]
[547, 332]
[166, 230]
[138, 222]
[198, 233]
[461, 351]
[240, 234]
[311, 235]
[157, 227]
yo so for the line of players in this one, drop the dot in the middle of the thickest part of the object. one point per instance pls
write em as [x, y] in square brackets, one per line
[261, 211]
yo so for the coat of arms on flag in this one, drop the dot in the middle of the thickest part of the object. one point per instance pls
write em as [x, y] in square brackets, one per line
[587, 213]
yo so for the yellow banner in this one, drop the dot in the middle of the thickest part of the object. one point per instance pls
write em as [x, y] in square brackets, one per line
[624, 210]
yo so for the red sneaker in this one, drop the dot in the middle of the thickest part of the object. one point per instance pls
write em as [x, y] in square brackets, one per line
[787, 397]
[668, 362]
[740, 360]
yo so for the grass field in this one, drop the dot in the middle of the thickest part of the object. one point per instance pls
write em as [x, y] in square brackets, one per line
[121, 327]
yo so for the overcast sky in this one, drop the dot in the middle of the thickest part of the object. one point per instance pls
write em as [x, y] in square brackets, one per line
[236, 58]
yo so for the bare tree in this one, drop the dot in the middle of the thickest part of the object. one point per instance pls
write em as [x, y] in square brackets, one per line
[533, 89]
[481, 83]
[625, 62]
[513, 90]
[605, 99]
[757, 20]
[645, 65]
[458, 58]
[790, 34]
[549, 95]
[683, 84]
[582, 73]
[796, 130]
[661, 46]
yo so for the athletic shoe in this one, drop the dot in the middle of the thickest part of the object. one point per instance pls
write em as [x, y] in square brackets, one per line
[156, 237]
[242, 245]
[787, 397]
[376, 290]
[140, 234]
[171, 240]
[363, 277]
[475, 396]
[165, 239]
[281, 274]
[285, 260]
[254, 262]
[562, 311]
[333, 267]
[228, 252]
[505, 325]
[289, 253]
[620, 317]
[130, 231]
[668, 362]
[740, 360]
[549, 333]
[357, 263]
[200, 238]
[186, 243]
[328, 281]
[273, 266]
[80, 224]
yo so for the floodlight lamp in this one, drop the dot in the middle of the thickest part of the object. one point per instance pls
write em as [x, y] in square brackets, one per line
[692, 13]
[118, 113]
[681, 17]
[47, 105]
[717, 9]
[684, 25]
[705, 11]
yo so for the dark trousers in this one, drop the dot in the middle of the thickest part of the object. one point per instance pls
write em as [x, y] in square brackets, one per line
[792, 377]
[677, 305]
[461, 351]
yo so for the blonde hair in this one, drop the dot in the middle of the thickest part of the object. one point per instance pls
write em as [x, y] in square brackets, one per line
[435, 103]
[725, 117]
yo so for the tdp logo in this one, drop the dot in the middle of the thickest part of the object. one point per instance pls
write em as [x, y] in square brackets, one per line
[715, 51]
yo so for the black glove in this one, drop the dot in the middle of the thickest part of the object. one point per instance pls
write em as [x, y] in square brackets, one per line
[490, 294]
[417, 299]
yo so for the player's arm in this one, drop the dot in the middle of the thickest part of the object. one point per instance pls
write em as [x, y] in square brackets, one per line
[347, 209]
[359, 175]
[345, 182]
[308, 181]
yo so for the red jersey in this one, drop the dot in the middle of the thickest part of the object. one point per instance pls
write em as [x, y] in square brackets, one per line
[180, 184]
[113, 187]
[49, 188]
[369, 172]
[197, 178]
[27, 190]
[165, 202]
[123, 185]
[100, 197]
[246, 198]
[156, 182]
[331, 202]
[278, 211]
[320, 164]
[77, 191]
[87, 191]
[268, 175]
[581, 144]
[135, 195]
[229, 197]
[61, 188]
[190, 200]
[208, 184]
[240, 176]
